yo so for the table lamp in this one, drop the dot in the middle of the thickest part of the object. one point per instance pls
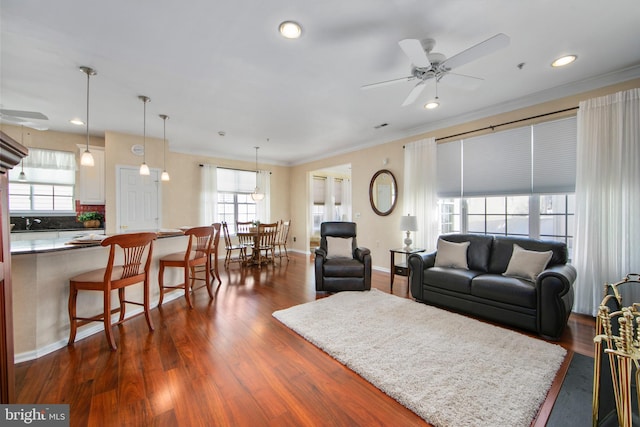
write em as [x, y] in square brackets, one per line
[408, 223]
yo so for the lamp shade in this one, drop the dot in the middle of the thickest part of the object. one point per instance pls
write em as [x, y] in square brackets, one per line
[409, 223]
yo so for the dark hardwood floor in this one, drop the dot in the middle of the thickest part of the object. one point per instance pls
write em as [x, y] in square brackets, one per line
[228, 362]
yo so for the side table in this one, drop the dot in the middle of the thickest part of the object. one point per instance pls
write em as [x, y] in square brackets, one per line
[401, 269]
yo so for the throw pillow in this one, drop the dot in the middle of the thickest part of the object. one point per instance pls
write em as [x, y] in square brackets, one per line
[451, 254]
[526, 264]
[339, 247]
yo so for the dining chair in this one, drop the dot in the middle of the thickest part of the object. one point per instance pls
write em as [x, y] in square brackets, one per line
[265, 243]
[197, 254]
[135, 251]
[245, 231]
[213, 252]
[230, 248]
[283, 236]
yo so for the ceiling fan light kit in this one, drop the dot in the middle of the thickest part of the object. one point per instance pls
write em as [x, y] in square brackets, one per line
[427, 65]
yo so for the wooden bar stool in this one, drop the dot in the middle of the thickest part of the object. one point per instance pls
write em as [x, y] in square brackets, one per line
[137, 249]
[197, 254]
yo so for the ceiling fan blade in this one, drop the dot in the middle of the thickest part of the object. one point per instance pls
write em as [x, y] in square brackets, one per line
[486, 47]
[414, 50]
[24, 114]
[462, 81]
[387, 82]
[19, 122]
[413, 95]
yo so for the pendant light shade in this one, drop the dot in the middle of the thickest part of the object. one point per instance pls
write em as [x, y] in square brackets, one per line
[22, 177]
[87, 157]
[144, 169]
[257, 195]
[165, 175]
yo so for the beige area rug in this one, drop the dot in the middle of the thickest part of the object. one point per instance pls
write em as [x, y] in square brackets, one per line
[449, 369]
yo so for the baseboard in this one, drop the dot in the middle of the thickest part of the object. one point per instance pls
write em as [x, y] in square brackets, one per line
[86, 332]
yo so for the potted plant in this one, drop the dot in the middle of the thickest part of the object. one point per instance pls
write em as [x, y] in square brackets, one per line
[91, 219]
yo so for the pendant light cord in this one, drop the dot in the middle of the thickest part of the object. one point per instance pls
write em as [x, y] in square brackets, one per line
[88, 76]
[144, 130]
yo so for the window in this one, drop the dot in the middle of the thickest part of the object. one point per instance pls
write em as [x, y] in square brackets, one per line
[518, 182]
[547, 216]
[234, 196]
[508, 216]
[49, 184]
[557, 218]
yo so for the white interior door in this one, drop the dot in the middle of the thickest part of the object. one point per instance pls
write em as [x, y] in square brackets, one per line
[138, 200]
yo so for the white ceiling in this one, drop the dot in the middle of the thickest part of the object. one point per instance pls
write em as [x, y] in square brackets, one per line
[222, 66]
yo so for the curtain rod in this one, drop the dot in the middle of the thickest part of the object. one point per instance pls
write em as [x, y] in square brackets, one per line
[492, 127]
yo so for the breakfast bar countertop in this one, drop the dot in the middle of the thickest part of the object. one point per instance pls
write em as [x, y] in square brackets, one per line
[37, 246]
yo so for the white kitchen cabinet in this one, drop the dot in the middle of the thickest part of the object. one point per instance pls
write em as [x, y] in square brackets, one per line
[91, 186]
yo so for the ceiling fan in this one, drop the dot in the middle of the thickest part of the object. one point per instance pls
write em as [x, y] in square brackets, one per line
[428, 65]
[30, 119]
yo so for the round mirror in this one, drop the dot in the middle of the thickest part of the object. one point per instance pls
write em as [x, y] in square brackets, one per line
[383, 192]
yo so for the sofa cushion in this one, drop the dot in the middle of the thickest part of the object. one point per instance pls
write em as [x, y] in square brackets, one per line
[526, 264]
[339, 247]
[451, 254]
[503, 248]
[479, 249]
[453, 279]
[508, 290]
[343, 267]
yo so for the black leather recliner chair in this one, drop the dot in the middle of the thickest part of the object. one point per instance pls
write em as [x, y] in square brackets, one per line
[342, 273]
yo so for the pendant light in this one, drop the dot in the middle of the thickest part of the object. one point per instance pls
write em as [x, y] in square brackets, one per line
[165, 175]
[144, 169]
[22, 177]
[87, 157]
[257, 195]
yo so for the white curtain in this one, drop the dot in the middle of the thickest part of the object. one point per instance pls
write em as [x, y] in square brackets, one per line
[607, 240]
[47, 167]
[208, 194]
[420, 191]
[264, 206]
[346, 200]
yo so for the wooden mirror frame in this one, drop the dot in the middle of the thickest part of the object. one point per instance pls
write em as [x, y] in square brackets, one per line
[394, 192]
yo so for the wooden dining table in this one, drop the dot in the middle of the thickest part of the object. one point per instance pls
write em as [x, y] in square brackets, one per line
[252, 235]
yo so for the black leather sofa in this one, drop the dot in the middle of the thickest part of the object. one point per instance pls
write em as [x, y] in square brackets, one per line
[349, 271]
[542, 306]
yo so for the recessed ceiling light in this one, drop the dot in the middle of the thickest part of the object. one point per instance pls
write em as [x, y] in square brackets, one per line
[564, 60]
[290, 29]
[78, 122]
[431, 105]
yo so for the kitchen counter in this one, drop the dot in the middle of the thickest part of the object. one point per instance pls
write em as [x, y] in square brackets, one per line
[40, 272]
[59, 244]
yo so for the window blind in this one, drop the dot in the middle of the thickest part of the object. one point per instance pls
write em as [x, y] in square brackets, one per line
[236, 181]
[318, 190]
[449, 173]
[554, 156]
[498, 163]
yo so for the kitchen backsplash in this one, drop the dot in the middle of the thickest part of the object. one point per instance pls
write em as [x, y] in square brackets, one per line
[54, 222]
